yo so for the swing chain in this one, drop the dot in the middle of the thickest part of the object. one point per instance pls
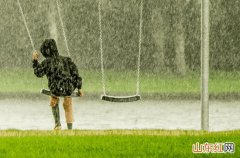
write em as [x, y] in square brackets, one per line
[62, 27]
[29, 34]
[26, 26]
[139, 48]
[101, 47]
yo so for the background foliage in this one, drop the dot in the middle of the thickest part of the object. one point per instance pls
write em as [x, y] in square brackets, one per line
[171, 33]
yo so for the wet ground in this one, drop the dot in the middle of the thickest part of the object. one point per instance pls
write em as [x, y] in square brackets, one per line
[97, 114]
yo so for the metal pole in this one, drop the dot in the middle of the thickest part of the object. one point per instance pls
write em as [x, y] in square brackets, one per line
[205, 64]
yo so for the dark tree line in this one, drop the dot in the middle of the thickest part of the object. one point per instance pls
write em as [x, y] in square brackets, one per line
[171, 33]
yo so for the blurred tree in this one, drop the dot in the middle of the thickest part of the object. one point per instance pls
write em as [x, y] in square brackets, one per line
[171, 33]
[225, 37]
[168, 30]
[180, 36]
[192, 28]
[158, 33]
[52, 15]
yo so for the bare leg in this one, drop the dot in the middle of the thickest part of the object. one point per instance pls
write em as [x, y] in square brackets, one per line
[67, 104]
[54, 101]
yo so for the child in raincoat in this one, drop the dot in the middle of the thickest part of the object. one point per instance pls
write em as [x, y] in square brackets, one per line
[63, 79]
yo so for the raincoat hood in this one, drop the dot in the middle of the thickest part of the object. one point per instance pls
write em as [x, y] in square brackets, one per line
[49, 48]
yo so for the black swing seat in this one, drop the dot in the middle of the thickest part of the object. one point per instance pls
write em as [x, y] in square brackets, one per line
[48, 92]
[121, 98]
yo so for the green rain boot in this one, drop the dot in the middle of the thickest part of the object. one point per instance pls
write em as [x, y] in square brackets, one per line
[69, 125]
[56, 115]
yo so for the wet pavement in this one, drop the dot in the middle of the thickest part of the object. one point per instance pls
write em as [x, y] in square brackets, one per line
[96, 114]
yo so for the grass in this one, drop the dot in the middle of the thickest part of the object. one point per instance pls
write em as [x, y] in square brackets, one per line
[23, 80]
[111, 143]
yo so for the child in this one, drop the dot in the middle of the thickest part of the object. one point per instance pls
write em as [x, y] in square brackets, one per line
[63, 79]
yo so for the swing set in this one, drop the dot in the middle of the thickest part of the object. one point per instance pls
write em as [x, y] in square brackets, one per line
[104, 96]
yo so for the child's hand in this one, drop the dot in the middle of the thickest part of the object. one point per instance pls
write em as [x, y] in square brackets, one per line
[35, 55]
[80, 92]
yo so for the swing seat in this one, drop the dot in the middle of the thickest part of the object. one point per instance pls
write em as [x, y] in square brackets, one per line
[121, 98]
[48, 92]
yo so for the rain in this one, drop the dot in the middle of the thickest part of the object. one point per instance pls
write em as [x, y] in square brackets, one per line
[168, 35]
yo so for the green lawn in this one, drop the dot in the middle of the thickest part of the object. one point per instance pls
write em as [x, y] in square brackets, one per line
[23, 80]
[112, 143]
